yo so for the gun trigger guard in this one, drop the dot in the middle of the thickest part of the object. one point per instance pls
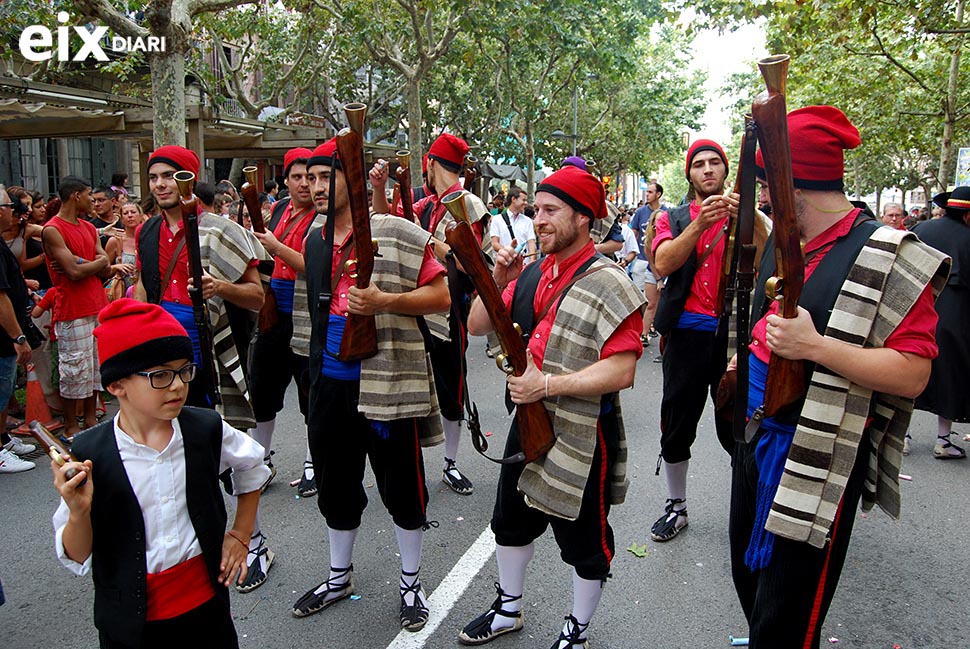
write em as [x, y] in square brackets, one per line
[501, 361]
[774, 288]
[376, 246]
[517, 327]
[350, 267]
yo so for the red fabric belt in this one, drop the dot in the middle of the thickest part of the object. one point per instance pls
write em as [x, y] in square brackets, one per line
[178, 590]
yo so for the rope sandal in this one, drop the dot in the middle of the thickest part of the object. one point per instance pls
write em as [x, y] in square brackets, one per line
[329, 592]
[574, 637]
[666, 526]
[479, 631]
[455, 479]
[413, 616]
[256, 574]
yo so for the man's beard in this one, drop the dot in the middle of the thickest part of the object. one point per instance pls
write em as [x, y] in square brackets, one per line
[563, 238]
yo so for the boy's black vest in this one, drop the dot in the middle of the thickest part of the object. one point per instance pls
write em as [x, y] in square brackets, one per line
[118, 558]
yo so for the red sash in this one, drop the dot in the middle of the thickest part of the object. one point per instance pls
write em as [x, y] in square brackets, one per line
[178, 590]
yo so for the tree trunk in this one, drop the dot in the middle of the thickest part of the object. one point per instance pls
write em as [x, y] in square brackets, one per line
[413, 91]
[950, 106]
[168, 93]
[235, 172]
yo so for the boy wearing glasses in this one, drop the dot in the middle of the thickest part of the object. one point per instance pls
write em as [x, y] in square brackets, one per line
[153, 535]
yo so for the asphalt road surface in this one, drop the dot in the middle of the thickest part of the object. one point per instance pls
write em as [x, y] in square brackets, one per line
[905, 583]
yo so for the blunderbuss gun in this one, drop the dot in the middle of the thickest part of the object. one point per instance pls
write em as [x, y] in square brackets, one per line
[535, 426]
[268, 313]
[471, 172]
[360, 332]
[403, 174]
[200, 311]
[53, 448]
[250, 194]
[786, 383]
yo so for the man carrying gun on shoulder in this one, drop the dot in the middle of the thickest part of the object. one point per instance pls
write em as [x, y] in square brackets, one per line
[446, 334]
[864, 329]
[381, 408]
[229, 256]
[582, 352]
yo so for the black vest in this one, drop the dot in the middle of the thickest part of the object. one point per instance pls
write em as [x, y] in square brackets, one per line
[118, 557]
[148, 238]
[314, 257]
[276, 214]
[678, 283]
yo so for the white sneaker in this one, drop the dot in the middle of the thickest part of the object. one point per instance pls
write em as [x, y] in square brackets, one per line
[10, 463]
[18, 447]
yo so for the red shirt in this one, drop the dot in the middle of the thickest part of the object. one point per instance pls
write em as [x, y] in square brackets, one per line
[177, 289]
[293, 239]
[916, 334]
[79, 298]
[626, 338]
[703, 290]
[430, 268]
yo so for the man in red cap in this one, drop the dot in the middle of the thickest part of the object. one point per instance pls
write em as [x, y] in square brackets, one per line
[448, 337]
[272, 361]
[689, 250]
[383, 407]
[865, 330]
[582, 351]
[76, 262]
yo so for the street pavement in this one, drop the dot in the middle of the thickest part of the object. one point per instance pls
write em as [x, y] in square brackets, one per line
[906, 584]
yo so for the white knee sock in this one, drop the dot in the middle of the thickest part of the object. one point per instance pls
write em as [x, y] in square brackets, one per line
[676, 475]
[452, 438]
[409, 543]
[341, 550]
[943, 427]
[586, 596]
[512, 562]
[308, 464]
[263, 434]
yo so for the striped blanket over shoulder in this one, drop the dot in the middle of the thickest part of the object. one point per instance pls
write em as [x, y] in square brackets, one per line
[887, 278]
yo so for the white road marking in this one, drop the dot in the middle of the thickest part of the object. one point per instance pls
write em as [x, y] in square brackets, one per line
[448, 591]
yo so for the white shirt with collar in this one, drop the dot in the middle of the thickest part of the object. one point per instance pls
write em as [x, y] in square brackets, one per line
[158, 480]
[521, 225]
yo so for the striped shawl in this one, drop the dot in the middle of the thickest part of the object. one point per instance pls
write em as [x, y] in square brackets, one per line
[226, 251]
[398, 382]
[438, 322]
[887, 278]
[589, 313]
[300, 342]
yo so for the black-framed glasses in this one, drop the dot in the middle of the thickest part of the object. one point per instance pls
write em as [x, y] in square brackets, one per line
[11, 204]
[161, 379]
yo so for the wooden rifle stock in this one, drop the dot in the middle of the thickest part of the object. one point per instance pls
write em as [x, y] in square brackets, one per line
[535, 426]
[53, 448]
[360, 332]
[268, 313]
[403, 174]
[786, 384]
[200, 310]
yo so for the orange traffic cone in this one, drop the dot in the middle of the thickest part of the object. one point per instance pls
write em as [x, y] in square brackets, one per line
[36, 405]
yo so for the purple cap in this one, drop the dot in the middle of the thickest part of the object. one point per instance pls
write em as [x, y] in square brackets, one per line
[574, 161]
